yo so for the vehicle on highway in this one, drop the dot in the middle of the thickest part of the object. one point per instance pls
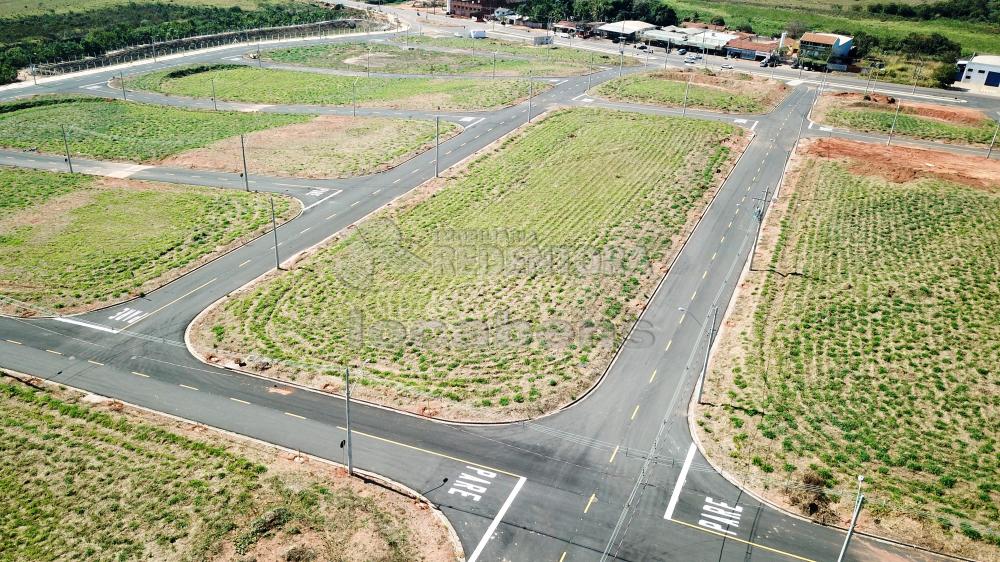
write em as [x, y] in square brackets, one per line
[640, 47]
[564, 35]
[682, 51]
[616, 40]
[726, 66]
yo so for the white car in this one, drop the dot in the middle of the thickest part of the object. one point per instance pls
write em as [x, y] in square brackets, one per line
[726, 66]
[564, 35]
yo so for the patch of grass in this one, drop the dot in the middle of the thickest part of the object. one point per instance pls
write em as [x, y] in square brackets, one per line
[528, 267]
[737, 94]
[880, 121]
[116, 130]
[284, 86]
[69, 241]
[80, 483]
[397, 59]
[552, 53]
[881, 358]
[14, 8]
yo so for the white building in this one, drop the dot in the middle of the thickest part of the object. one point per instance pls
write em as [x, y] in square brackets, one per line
[981, 73]
[627, 29]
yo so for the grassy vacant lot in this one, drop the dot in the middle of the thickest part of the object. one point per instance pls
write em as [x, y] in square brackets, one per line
[770, 17]
[247, 84]
[328, 146]
[115, 130]
[73, 241]
[86, 482]
[922, 121]
[730, 92]
[879, 355]
[547, 52]
[500, 292]
[398, 59]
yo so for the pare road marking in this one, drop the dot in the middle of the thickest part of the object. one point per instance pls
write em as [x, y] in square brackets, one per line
[473, 484]
[720, 516]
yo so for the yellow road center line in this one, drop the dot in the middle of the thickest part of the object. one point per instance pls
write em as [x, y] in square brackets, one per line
[355, 203]
[56, 352]
[138, 374]
[634, 412]
[429, 452]
[613, 454]
[14, 342]
[730, 224]
[715, 254]
[188, 387]
[590, 502]
[668, 345]
[704, 275]
[331, 216]
[758, 545]
[653, 376]
[295, 415]
[738, 209]
[723, 240]
[185, 295]
[681, 321]
[304, 230]
[563, 557]
[238, 400]
[244, 263]
[92, 362]
[694, 294]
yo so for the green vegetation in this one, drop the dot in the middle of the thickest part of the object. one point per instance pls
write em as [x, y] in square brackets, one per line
[81, 483]
[553, 54]
[397, 59]
[71, 35]
[881, 357]
[510, 287]
[738, 94]
[116, 130]
[18, 8]
[880, 121]
[70, 241]
[284, 86]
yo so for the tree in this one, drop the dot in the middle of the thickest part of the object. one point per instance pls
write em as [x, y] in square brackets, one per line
[718, 20]
[664, 15]
[944, 75]
[796, 29]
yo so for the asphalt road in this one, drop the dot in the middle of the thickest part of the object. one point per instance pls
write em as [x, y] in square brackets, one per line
[616, 475]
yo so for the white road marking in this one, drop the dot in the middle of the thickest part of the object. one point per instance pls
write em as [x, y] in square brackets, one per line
[467, 119]
[138, 374]
[14, 342]
[314, 193]
[238, 400]
[376, 192]
[87, 325]
[587, 100]
[496, 520]
[295, 415]
[355, 203]
[53, 352]
[127, 171]
[187, 387]
[322, 200]
[740, 121]
[91, 361]
[244, 263]
[672, 504]
[754, 126]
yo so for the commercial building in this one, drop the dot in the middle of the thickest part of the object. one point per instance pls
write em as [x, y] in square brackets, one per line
[627, 29]
[981, 73]
[821, 49]
[479, 9]
[751, 48]
[695, 38]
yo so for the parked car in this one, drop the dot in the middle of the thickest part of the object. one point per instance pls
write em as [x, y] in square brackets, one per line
[682, 51]
[616, 40]
[727, 66]
[640, 47]
[564, 35]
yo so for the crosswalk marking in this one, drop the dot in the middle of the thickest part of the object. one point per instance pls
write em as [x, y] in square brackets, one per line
[128, 315]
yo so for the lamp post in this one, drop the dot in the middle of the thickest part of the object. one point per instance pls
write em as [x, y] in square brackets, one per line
[993, 142]
[894, 117]
[347, 393]
[854, 519]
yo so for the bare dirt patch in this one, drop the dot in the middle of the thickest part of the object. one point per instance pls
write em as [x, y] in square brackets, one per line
[947, 114]
[328, 146]
[902, 164]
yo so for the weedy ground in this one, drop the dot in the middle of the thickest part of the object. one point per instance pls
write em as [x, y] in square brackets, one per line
[733, 92]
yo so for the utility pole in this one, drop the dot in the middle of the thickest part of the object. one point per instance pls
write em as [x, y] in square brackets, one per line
[993, 142]
[590, 75]
[66, 144]
[916, 72]
[686, 88]
[894, 117]
[347, 393]
[243, 151]
[260, 61]
[121, 76]
[531, 92]
[494, 65]
[354, 95]
[274, 229]
[437, 144]
[368, 64]
[215, 103]
[854, 519]
[621, 59]
[34, 72]
[714, 313]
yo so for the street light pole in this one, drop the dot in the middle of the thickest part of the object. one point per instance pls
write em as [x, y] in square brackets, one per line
[121, 77]
[894, 117]
[714, 313]
[993, 142]
[354, 96]
[274, 229]
[243, 151]
[347, 393]
[686, 88]
[854, 519]
[66, 145]
[531, 92]
[494, 65]
[437, 144]
[215, 103]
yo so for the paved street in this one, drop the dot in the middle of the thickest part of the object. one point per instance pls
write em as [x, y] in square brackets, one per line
[615, 476]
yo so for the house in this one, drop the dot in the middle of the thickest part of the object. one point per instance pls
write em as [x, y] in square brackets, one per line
[820, 49]
[981, 73]
[479, 9]
[751, 48]
[566, 26]
[627, 29]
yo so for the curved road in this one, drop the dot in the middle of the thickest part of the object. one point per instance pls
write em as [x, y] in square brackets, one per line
[616, 476]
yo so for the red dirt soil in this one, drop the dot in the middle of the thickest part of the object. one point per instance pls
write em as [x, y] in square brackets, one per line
[901, 164]
[959, 115]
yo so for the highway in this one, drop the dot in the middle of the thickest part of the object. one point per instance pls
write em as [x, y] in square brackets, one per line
[615, 476]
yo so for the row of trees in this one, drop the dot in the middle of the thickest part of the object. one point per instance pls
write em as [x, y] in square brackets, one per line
[933, 46]
[75, 35]
[651, 11]
[985, 11]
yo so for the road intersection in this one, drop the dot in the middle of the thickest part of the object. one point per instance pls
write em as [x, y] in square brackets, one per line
[616, 476]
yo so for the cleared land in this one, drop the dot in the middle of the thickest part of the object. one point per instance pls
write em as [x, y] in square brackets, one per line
[328, 146]
[875, 350]
[729, 92]
[552, 53]
[875, 114]
[400, 60]
[115, 130]
[254, 85]
[71, 242]
[89, 482]
[500, 292]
